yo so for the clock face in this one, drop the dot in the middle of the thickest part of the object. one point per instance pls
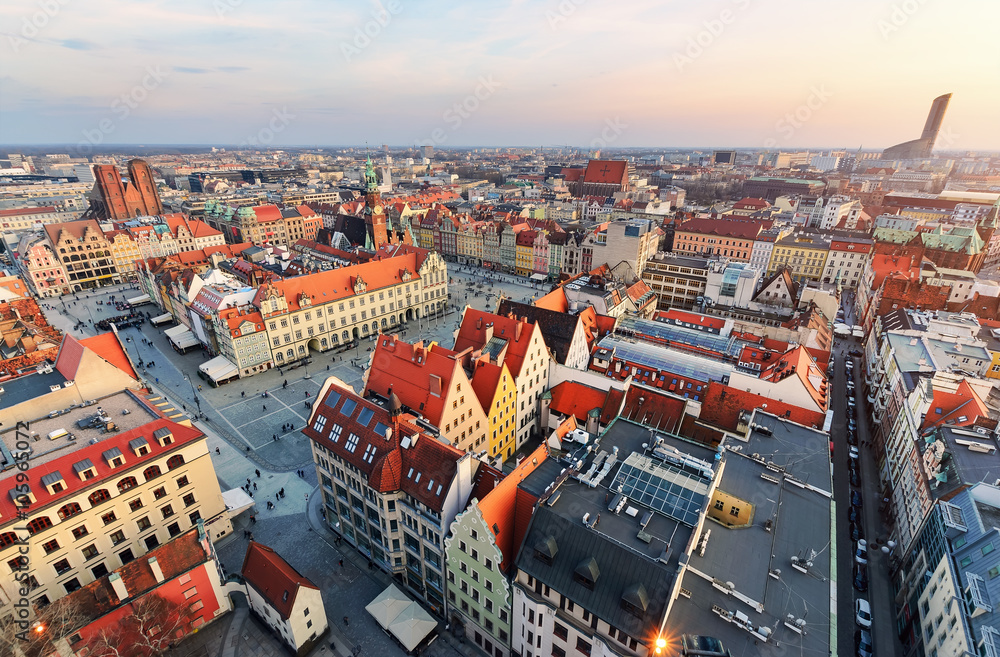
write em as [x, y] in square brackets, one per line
[377, 209]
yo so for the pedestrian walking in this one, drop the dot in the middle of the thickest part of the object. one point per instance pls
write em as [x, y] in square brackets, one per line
[257, 472]
[264, 406]
[345, 617]
[253, 519]
[276, 496]
[217, 451]
[255, 485]
[248, 481]
[274, 437]
[243, 393]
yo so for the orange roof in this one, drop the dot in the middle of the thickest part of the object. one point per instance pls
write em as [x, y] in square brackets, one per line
[693, 318]
[339, 283]
[555, 300]
[498, 506]
[576, 399]
[890, 265]
[70, 354]
[273, 577]
[486, 378]
[948, 407]
[109, 347]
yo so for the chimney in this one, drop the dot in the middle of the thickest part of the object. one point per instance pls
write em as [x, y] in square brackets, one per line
[119, 586]
[479, 323]
[154, 565]
[517, 331]
[435, 385]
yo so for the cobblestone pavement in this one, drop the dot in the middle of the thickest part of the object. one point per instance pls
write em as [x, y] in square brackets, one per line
[241, 439]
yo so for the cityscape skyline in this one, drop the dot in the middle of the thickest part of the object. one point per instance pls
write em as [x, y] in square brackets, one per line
[528, 74]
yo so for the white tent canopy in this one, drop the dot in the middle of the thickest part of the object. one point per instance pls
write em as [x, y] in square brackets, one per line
[181, 336]
[402, 617]
[219, 369]
[161, 319]
[237, 501]
[139, 300]
[539, 277]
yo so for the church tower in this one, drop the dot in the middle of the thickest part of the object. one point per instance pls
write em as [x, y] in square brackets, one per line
[374, 212]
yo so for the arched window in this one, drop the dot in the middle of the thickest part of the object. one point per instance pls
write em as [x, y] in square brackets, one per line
[384, 322]
[175, 461]
[347, 336]
[375, 327]
[322, 342]
[7, 538]
[126, 483]
[99, 496]
[364, 329]
[39, 524]
[290, 353]
[69, 510]
[152, 472]
[302, 349]
[280, 356]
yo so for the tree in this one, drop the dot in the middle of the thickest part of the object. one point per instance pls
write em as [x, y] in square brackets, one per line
[50, 623]
[149, 627]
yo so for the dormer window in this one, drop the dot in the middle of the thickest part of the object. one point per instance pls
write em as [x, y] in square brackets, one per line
[546, 550]
[586, 573]
[163, 436]
[85, 469]
[54, 482]
[114, 457]
[139, 446]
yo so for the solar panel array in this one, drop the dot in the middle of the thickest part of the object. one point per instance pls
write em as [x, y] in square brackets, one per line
[675, 361]
[661, 487]
[693, 337]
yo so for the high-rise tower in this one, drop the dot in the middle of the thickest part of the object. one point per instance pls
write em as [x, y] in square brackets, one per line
[921, 148]
[374, 212]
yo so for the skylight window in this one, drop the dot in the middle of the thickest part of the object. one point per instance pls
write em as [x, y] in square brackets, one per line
[348, 407]
[365, 416]
[352, 442]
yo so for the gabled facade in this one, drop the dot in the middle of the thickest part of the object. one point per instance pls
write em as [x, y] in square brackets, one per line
[518, 344]
[431, 382]
[284, 600]
[481, 548]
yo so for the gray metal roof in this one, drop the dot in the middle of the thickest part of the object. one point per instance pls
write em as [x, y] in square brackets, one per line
[137, 443]
[80, 466]
[51, 478]
[112, 453]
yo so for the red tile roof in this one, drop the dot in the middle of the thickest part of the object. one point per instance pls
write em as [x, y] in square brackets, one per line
[693, 318]
[498, 507]
[425, 469]
[746, 230]
[606, 171]
[722, 407]
[273, 578]
[576, 399]
[409, 370]
[653, 408]
[70, 354]
[948, 407]
[477, 327]
[105, 474]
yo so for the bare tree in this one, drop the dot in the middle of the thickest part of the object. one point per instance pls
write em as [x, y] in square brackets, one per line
[149, 628]
[49, 624]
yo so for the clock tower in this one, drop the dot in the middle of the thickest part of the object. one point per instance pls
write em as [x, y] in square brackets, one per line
[375, 220]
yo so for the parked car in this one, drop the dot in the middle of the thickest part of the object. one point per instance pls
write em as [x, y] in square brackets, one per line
[863, 613]
[854, 453]
[860, 577]
[852, 425]
[863, 643]
[856, 498]
[856, 353]
[852, 438]
[855, 478]
[849, 364]
[853, 514]
[855, 531]
[861, 551]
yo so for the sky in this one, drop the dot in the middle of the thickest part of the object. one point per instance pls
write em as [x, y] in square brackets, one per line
[583, 73]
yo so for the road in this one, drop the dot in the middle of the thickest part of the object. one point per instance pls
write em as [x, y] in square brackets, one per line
[880, 593]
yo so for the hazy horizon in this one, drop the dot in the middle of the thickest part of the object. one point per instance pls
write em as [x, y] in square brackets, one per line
[303, 73]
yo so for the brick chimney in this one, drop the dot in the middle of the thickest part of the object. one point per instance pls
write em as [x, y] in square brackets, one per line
[517, 330]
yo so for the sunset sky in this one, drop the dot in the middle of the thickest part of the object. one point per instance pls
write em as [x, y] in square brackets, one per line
[576, 72]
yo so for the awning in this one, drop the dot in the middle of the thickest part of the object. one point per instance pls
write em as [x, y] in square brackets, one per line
[219, 369]
[402, 617]
[161, 319]
[139, 300]
[237, 501]
[539, 277]
[181, 337]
